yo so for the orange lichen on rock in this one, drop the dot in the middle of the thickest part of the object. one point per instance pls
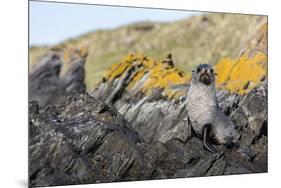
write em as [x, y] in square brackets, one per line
[148, 74]
[69, 54]
[145, 74]
[223, 69]
[240, 76]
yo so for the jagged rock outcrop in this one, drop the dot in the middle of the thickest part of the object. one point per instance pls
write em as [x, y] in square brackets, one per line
[133, 126]
[48, 84]
[84, 140]
[44, 81]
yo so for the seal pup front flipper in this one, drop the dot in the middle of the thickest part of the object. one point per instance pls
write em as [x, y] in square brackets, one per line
[206, 136]
[189, 128]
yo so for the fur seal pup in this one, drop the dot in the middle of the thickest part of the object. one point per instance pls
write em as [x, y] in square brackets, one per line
[205, 117]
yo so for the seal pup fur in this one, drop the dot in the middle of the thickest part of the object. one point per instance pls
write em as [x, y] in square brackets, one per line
[205, 117]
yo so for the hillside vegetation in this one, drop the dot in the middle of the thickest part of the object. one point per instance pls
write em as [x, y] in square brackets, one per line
[200, 39]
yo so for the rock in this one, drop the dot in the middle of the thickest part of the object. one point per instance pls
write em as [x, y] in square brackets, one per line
[236, 170]
[73, 79]
[261, 150]
[254, 104]
[247, 137]
[181, 173]
[89, 145]
[138, 76]
[133, 126]
[247, 152]
[239, 118]
[47, 85]
[227, 101]
[201, 168]
[84, 140]
[44, 81]
[217, 168]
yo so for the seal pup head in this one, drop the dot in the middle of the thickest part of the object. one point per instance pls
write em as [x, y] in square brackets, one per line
[204, 74]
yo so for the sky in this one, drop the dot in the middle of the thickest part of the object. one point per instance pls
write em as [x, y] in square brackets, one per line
[51, 23]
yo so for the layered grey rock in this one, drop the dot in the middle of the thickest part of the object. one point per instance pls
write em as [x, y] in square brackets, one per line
[48, 86]
[116, 135]
[85, 140]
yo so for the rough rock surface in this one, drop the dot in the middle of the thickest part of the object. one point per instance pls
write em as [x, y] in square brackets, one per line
[47, 85]
[84, 140]
[132, 126]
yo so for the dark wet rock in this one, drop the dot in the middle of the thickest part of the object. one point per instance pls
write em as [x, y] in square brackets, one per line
[260, 148]
[247, 137]
[47, 85]
[202, 167]
[217, 168]
[254, 104]
[44, 80]
[236, 170]
[83, 141]
[247, 153]
[73, 79]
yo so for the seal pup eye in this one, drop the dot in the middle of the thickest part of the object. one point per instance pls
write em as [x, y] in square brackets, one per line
[212, 71]
[198, 69]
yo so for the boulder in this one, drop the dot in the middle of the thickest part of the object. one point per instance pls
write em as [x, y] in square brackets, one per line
[54, 77]
[83, 141]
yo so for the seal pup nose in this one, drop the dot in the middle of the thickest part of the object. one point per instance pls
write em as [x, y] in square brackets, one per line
[205, 78]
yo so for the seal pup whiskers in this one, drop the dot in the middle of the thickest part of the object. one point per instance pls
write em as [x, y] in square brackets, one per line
[204, 115]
